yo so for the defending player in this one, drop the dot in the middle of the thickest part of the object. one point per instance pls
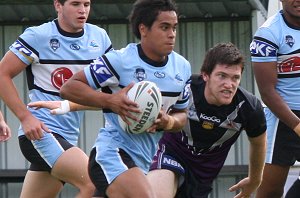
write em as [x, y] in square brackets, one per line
[186, 163]
[51, 53]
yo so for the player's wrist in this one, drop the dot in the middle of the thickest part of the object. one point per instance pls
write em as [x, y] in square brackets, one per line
[64, 108]
[170, 124]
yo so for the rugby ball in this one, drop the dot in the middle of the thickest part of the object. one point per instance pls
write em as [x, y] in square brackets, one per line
[148, 96]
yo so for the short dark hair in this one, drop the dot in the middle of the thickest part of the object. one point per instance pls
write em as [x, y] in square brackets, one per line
[146, 11]
[222, 53]
[62, 2]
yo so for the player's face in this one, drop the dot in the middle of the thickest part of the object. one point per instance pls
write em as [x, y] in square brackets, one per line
[73, 14]
[292, 11]
[222, 83]
[159, 41]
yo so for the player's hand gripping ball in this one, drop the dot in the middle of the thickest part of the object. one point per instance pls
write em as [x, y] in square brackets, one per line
[148, 96]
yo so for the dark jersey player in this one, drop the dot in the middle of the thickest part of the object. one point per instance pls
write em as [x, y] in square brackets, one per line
[187, 162]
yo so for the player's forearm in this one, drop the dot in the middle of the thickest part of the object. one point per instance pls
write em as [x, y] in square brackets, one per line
[257, 157]
[78, 107]
[10, 96]
[1, 117]
[91, 98]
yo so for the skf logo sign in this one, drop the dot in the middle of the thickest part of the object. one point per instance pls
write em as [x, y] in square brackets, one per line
[21, 48]
[262, 49]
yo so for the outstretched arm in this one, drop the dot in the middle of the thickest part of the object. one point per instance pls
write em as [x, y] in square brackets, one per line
[77, 90]
[60, 107]
[257, 156]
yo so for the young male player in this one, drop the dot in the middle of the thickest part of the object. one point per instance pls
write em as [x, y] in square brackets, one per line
[51, 53]
[187, 162]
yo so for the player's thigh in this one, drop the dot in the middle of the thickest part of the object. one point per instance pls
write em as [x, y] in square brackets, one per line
[131, 183]
[164, 181]
[72, 167]
[40, 184]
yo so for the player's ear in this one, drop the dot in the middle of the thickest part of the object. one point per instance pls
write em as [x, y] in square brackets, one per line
[142, 29]
[205, 76]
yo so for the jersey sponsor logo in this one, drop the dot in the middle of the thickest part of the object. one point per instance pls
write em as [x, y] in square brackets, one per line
[158, 74]
[100, 69]
[262, 49]
[289, 40]
[212, 118]
[54, 44]
[74, 46]
[140, 74]
[60, 76]
[290, 64]
[178, 77]
[171, 162]
[207, 125]
[21, 48]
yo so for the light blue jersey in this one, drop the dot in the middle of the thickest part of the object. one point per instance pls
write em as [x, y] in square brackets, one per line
[53, 56]
[278, 41]
[114, 71]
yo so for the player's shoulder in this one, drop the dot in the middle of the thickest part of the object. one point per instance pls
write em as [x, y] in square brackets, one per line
[92, 27]
[179, 57]
[41, 29]
[180, 63]
[123, 56]
[249, 98]
[274, 25]
[130, 50]
[40, 32]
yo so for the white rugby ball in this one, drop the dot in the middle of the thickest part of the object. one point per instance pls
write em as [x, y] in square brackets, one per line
[148, 96]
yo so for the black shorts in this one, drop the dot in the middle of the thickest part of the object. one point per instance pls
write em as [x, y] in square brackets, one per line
[97, 175]
[38, 163]
[283, 144]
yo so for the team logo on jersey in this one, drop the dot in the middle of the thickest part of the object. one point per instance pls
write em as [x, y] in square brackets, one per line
[207, 125]
[262, 49]
[178, 77]
[74, 46]
[158, 74]
[140, 74]
[94, 44]
[289, 40]
[54, 44]
[60, 76]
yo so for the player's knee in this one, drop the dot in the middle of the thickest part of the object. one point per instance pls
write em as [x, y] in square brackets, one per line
[87, 189]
